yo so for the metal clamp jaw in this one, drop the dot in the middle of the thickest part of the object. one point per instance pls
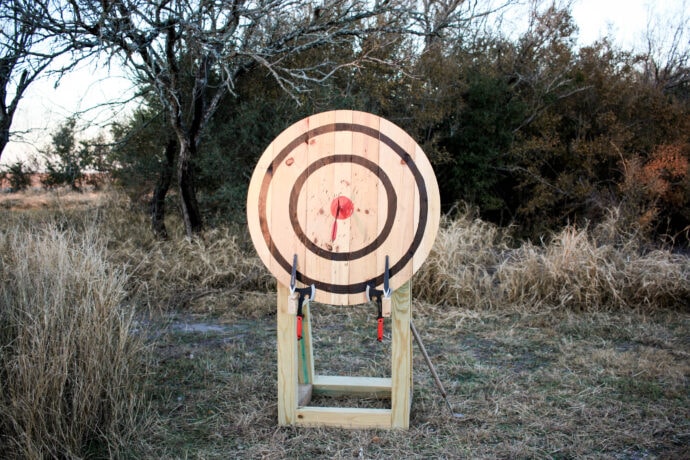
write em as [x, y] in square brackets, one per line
[298, 296]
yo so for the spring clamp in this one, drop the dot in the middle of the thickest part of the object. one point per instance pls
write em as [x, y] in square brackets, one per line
[383, 300]
[298, 296]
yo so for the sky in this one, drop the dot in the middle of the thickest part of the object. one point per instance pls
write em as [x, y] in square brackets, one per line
[46, 105]
[625, 19]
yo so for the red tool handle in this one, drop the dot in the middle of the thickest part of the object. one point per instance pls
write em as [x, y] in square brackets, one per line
[299, 327]
[380, 329]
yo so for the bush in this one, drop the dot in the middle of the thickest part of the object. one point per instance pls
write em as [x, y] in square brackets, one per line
[69, 363]
[472, 265]
[18, 175]
[459, 269]
[67, 160]
[171, 274]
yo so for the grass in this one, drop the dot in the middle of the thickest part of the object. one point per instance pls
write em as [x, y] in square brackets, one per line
[562, 385]
[575, 348]
[475, 265]
[69, 365]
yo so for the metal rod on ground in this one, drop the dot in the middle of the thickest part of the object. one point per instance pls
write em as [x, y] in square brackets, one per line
[418, 339]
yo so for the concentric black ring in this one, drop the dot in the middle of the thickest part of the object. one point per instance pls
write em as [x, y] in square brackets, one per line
[353, 288]
[390, 216]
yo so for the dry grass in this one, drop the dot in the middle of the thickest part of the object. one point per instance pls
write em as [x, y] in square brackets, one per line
[573, 348]
[64, 198]
[473, 265]
[459, 270]
[69, 363]
[174, 274]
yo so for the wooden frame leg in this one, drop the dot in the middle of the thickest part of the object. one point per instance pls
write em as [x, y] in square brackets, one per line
[401, 357]
[305, 359]
[287, 359]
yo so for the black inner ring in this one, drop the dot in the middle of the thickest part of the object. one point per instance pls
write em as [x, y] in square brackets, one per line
[423, 206]
[390, 216]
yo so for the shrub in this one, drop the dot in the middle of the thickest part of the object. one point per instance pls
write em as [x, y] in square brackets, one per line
[170, 274]
[657, 192]
[18, 175]
[67, 160]
[459, 269]
[472, 265]
[69, 362]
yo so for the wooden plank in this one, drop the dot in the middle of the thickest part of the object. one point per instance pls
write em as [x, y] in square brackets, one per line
[401, 357]
[284, 176]
[287, 359]
[405, 187]
[306, 352]
[365, 189]
[352, 386]
[433, 205]
[344, 417]
[317, 192]
[340, 186]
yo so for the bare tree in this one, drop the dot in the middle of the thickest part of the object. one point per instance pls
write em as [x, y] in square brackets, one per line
[435, 20]
[666, 59]
[543, 65]
[26, 52]
[192, 52]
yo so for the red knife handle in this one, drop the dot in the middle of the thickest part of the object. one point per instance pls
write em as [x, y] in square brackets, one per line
[299, 328]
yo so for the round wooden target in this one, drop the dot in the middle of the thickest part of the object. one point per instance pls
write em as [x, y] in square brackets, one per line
[343, 190]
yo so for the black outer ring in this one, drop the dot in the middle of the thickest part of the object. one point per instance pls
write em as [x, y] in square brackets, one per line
[360, 287]
[390, 216]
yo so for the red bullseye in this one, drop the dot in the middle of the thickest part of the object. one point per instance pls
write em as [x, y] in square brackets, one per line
[342, 207]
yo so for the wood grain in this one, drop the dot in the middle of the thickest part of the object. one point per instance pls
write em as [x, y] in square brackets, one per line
[401, 357]
[286, 359]
[305, 361]
[392, 193]
[344, 417]
[329, 385]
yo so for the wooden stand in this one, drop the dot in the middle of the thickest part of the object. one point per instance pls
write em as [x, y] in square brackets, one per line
[297, 380]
